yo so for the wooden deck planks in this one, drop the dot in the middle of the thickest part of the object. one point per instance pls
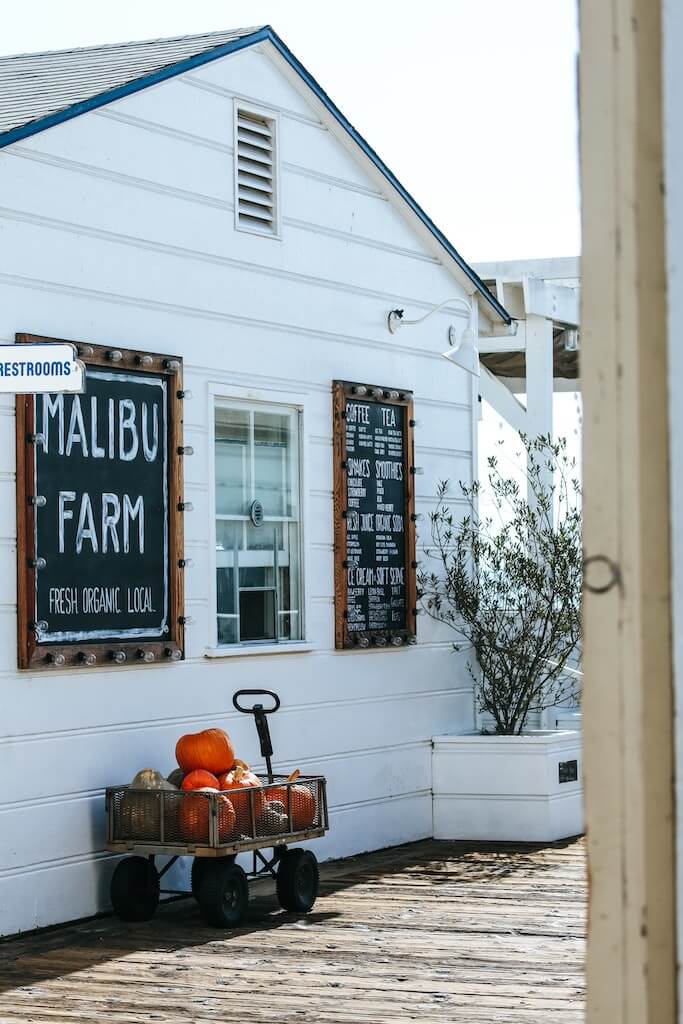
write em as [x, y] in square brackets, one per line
[433, 932]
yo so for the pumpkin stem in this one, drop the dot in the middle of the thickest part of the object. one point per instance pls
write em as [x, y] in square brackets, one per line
[295, 775]
[241, 764]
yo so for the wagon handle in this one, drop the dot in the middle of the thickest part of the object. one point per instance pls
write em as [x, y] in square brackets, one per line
[259, 713]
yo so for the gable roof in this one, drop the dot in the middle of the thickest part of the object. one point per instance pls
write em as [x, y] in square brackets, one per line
[40, 90]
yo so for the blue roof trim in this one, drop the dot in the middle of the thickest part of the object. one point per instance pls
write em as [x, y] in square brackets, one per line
[263, 35]
[121, 91]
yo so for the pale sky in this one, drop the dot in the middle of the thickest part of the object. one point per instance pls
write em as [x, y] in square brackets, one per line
[471, 103]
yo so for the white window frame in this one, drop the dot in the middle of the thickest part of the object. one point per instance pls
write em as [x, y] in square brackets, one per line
[270, 114]
[272, 401]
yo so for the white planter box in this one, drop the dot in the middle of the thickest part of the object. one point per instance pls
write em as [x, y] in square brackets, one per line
[561, 718]
[508, 788]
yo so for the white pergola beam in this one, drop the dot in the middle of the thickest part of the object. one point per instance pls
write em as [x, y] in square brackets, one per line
[493, 391]
[556, 302]
[488, 346]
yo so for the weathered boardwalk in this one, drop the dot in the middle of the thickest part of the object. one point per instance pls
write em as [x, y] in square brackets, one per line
[433, 932]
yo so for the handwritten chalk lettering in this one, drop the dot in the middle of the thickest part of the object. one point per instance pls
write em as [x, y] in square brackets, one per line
[389, 470]
[357, 413]
[104, 528]
[140, 600]
[63, 600]
[358, 467]
[113, 512]
[101, 600]
[123, 424]
[360, 576]
[375, 497]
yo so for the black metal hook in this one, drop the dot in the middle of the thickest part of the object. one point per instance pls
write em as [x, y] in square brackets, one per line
[615, 578]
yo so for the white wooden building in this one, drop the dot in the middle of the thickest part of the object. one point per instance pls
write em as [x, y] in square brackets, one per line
[129, 219]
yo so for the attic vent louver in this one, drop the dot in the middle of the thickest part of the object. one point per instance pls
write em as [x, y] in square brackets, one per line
[255, 164]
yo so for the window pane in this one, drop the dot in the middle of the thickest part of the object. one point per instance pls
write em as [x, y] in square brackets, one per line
[290, 595]
[258, 589]
[275, 469]
[257, 615]
[232, 461]
[257, 563]
[227, 630]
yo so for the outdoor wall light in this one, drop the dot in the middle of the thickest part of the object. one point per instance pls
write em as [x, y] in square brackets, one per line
[462, 350]
[395, 316]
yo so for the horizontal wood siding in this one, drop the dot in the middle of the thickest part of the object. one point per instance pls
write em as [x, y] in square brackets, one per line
[118, 228]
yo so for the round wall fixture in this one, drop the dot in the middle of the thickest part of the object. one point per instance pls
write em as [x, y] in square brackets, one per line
[256, 512]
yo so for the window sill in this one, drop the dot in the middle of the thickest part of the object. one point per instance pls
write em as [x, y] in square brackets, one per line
[292, 647]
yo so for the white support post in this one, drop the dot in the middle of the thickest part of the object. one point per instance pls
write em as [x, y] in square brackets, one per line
[539, 384]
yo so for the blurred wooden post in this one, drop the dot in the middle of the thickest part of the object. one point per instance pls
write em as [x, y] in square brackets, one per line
[627, 657]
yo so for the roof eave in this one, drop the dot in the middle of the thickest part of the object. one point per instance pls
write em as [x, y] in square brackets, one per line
[265, 34]
[129, 88]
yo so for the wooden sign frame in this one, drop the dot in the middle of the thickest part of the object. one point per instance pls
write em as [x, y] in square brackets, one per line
[34, 655]
[343, 391]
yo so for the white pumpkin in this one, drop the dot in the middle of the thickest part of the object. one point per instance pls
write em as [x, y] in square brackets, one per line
[150, 778]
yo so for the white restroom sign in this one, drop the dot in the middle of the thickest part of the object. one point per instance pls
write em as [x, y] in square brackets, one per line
[37, 368]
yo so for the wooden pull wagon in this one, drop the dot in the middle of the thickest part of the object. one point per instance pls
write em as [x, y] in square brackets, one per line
[213, 828]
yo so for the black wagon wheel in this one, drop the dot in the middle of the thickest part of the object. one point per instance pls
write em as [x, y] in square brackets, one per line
[135, 889]
[223, 893]
[297, 881]
[196, 872]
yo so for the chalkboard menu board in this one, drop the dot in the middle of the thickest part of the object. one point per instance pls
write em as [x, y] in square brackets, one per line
[375, 591]
[100, 524]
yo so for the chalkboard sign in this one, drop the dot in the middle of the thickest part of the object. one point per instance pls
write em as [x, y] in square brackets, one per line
[100, 525]
[375, 591]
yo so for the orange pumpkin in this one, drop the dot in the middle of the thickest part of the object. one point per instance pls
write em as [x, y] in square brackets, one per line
[193, 817]
[242, 778]
[199, 779]
[303, 802]
[210, 750]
